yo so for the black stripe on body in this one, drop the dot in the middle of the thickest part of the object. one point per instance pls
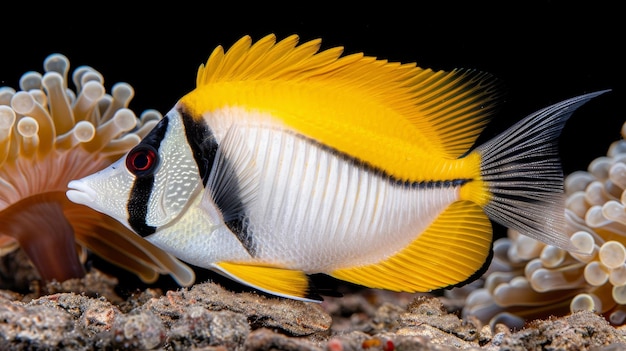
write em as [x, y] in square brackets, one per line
[204, 149]
[137, 206]
[202, 142]
[433, 184]
[421, 184]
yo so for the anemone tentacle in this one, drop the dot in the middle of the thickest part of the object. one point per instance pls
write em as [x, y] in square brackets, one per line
[49, 135]
[528, 279]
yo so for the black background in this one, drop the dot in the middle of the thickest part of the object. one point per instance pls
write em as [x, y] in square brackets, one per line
[543, 51]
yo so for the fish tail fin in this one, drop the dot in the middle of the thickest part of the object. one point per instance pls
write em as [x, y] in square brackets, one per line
[523, 175]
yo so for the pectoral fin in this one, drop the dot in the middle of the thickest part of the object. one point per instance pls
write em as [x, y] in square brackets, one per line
[232, 185]
[454, 249]
[233, 182]
[271, 279]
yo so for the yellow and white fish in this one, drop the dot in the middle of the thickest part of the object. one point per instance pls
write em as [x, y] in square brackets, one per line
[286, 161]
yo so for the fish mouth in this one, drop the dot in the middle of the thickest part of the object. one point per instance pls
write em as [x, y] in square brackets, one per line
[80, 193]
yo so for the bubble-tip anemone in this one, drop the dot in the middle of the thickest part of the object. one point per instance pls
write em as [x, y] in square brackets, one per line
[49, 135]
[528, 279]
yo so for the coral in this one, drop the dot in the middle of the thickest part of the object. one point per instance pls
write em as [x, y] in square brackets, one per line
[528, 279]
[209, 317]
[49, 135]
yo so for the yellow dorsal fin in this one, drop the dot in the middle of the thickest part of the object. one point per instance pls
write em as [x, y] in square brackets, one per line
[453, 104]
[449, 252]
[271, 279]
[351, 101]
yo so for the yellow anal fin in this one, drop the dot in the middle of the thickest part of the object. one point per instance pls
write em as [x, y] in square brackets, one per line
[271, 279]
[451, 251]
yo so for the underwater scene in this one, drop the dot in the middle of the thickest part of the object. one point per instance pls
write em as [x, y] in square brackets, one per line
[353, 185]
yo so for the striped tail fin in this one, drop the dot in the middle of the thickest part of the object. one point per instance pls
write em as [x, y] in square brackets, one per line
[523, 173]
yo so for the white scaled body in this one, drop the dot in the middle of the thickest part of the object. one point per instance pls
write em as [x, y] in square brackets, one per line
[285, 162]
[306, 206]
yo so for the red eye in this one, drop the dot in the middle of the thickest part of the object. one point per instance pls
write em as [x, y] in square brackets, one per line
[142, 160]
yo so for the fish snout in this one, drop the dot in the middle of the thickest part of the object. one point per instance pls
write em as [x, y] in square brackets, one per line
[80, 193]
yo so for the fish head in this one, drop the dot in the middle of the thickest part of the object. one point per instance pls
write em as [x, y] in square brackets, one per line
[150, 186]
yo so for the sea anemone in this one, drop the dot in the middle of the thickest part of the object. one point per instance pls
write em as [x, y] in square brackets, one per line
[49, 135]
[528, 279]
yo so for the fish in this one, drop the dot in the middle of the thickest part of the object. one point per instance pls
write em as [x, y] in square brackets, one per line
[287, 161]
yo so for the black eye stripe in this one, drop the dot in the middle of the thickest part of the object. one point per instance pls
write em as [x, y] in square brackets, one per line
[157, 134]
[137, 206]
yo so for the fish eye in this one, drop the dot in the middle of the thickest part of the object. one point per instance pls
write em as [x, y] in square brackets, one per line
[142, 160]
